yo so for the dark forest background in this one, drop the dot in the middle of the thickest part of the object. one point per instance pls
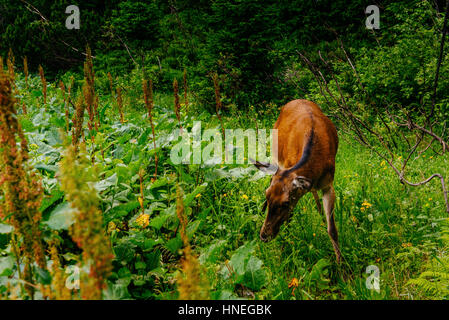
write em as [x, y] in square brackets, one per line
[253, 45]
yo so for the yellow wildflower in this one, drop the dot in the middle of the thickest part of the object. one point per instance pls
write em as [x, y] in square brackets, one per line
[112, 226]
[245, 197]
[198, 195]
[143, 220]
[367, 204]
[293, 283]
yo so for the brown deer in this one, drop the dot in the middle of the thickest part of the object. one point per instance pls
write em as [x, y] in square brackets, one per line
[304, 152]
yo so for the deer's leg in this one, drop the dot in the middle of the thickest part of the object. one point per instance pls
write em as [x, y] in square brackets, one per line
[328, 203]
[317, 201]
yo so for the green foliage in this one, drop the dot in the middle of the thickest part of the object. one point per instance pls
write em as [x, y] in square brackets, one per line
[250, 44]
[222, 203]
[253, 46]
[434, 280]
[245, 269]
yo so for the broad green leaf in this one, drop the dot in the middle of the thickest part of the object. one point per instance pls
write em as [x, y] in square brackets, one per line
[117, 291]
[36, 93]
[56, 194]
[124, 272]
[43, 276]
[241, 256]
[246, 268]
[225, 295]
[174, 244]
[212, 253]
[159, 183]
[62, 217]
[319, 272]
[189, 197]
[158, 221]
[6, 228]
[106, 183]
[46, 167]
[121, 210]
[6, 266]
[153, 259]
[255, 277]
[192, 227]
[124, 251]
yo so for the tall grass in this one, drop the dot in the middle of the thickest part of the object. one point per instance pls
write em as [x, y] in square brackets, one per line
[380, 221]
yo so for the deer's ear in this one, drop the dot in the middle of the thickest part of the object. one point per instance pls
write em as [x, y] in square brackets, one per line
[265, 166]
[302, 183]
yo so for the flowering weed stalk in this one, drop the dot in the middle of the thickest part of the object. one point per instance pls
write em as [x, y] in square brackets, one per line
[149, 103]
[177, 105]
[44, 84]
[77, 177]
[66, 107]
[191, 285]
[186, 100]
[89, 92]
[20, 188]
[218, 104]
[78, 120]
[120, 105]
[10, 63]
[25, 70]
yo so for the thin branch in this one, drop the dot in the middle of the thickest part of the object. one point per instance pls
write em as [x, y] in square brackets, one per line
[440, 58]
[34, 10]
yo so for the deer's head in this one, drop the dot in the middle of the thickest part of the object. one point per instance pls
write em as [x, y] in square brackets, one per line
[285, 189]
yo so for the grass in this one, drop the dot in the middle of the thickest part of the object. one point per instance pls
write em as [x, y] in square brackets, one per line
[397, 230]
[380, 222]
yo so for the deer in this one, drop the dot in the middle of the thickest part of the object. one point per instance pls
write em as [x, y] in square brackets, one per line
[304, 161]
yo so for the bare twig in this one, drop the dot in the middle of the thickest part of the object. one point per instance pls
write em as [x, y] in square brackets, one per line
[34, 10]
[440, 58]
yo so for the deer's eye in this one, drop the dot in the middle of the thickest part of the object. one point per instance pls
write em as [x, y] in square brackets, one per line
[285, 204]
